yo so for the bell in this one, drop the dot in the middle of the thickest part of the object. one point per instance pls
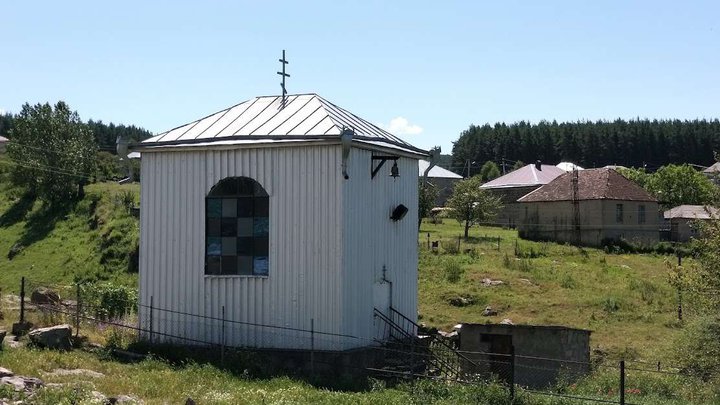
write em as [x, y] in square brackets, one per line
[394, 171]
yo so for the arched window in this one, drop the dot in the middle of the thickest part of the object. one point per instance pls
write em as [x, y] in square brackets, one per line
[236, 228]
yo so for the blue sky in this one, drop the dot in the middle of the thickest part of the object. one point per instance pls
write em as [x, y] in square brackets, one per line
[425, 69]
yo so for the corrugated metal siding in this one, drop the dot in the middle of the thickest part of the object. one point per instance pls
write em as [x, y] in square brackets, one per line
[372, 240]
[305, 188]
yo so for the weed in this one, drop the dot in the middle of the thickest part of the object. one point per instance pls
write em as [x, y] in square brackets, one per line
[568, 282]
[450, 246]
[610, 305]
[453, 270]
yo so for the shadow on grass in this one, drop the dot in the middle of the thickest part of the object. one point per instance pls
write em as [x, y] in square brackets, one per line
[258, 364]
[18, 211]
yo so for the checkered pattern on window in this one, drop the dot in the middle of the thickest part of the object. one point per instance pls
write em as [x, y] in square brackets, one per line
[237, 228]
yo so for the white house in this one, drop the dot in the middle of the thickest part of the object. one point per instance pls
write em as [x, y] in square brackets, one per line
[444, 180]
[287, 218]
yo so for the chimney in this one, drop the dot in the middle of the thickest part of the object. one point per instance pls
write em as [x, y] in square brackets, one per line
[538, 165]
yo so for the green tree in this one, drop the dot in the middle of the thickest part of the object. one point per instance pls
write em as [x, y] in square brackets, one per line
[471, 204]
[518, 165]
[427, 194]
[53, 152]
[675, 185]
[489, 171]
[639, 176]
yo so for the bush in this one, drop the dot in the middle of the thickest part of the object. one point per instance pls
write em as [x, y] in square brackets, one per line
[697, 350]
[453, 271]
[611, 305]
[109, 301]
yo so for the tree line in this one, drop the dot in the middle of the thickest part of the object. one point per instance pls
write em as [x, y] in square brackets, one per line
[633, 143]
[104, 134]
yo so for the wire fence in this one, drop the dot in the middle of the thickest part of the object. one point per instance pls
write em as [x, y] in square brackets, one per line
[398, 349]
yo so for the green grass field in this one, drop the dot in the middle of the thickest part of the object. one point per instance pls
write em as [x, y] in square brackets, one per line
[625, 300]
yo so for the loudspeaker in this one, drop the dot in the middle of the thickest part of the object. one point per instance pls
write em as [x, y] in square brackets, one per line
[399, 212]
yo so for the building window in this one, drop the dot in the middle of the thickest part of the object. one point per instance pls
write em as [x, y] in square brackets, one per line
[619, 213]
[237, 228]
[641, 214]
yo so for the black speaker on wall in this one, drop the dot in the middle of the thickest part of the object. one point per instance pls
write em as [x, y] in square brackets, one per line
[399, 212]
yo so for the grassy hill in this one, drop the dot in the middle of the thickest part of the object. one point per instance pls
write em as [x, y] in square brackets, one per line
[88, 240]
[625, 299]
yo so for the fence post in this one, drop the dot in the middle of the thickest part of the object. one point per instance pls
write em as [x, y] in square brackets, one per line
[498, 243]
[458, 243]
[77, 310]
[428, 240]
[312, 346]
[512, 373]
[622, 382]
[22, 299]
[222, 339]
[151, 319]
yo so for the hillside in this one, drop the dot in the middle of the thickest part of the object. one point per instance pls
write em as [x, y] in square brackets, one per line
[89, 240]
[624, 299]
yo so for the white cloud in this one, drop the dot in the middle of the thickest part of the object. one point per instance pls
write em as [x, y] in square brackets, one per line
[401, 126]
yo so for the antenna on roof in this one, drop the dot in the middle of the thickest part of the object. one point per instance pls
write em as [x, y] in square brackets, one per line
[284, 75]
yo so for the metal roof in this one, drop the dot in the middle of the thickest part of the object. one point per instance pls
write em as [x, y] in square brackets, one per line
[436, 171]
[568, 166]
[305, 117]
[525, 176]
[692, 212]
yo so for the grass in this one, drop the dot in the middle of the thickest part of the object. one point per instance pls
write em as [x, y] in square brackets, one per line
[625, 299]
[88, 240]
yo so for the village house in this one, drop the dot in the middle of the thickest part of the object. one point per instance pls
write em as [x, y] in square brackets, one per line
[684, 220]
[589, 207]
[516, 184]
[442, 179]
[277, 223]
[713, 173]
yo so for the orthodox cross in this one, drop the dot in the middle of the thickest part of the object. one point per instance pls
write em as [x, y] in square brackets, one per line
[284, 75]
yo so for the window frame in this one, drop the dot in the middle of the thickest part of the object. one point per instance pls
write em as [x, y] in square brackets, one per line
[641, 214]
[619, 213]
[258, 238]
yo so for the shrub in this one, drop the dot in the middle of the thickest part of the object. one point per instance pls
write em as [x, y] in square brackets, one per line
[453, 271]
[568, 282]
[647, 290]
[698, 348]
[611, 305]
[109, 301]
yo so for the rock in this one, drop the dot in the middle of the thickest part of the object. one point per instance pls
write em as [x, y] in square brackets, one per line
[457, 327]
[77, 371]
[486, 282]
[54, 337]
[489, 311]
[189, 401]
[12, 342]
[4, 372]
[98, 396]
[526, 281]
[461, 301]
[21, 328]
[42, 296]
[507, 321]
[21, 383]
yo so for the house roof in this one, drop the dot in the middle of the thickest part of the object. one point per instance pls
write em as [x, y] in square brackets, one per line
[692, 212]
[436, 171]
[592, 184]
[526, 176]
[305, 118]
[713, 169]
[568, 166]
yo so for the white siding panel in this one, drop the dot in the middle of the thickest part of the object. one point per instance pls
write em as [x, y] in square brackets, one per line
[372, 240]
[305, 187]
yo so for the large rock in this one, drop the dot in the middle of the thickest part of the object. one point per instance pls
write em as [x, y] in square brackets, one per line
[43, 296]
[20, 383]
[489, 311]
[54, 337]
[4, 372]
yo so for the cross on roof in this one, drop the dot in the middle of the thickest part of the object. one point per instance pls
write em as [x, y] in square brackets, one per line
[284, 75]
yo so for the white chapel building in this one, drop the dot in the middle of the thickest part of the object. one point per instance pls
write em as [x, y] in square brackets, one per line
[286, 215]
